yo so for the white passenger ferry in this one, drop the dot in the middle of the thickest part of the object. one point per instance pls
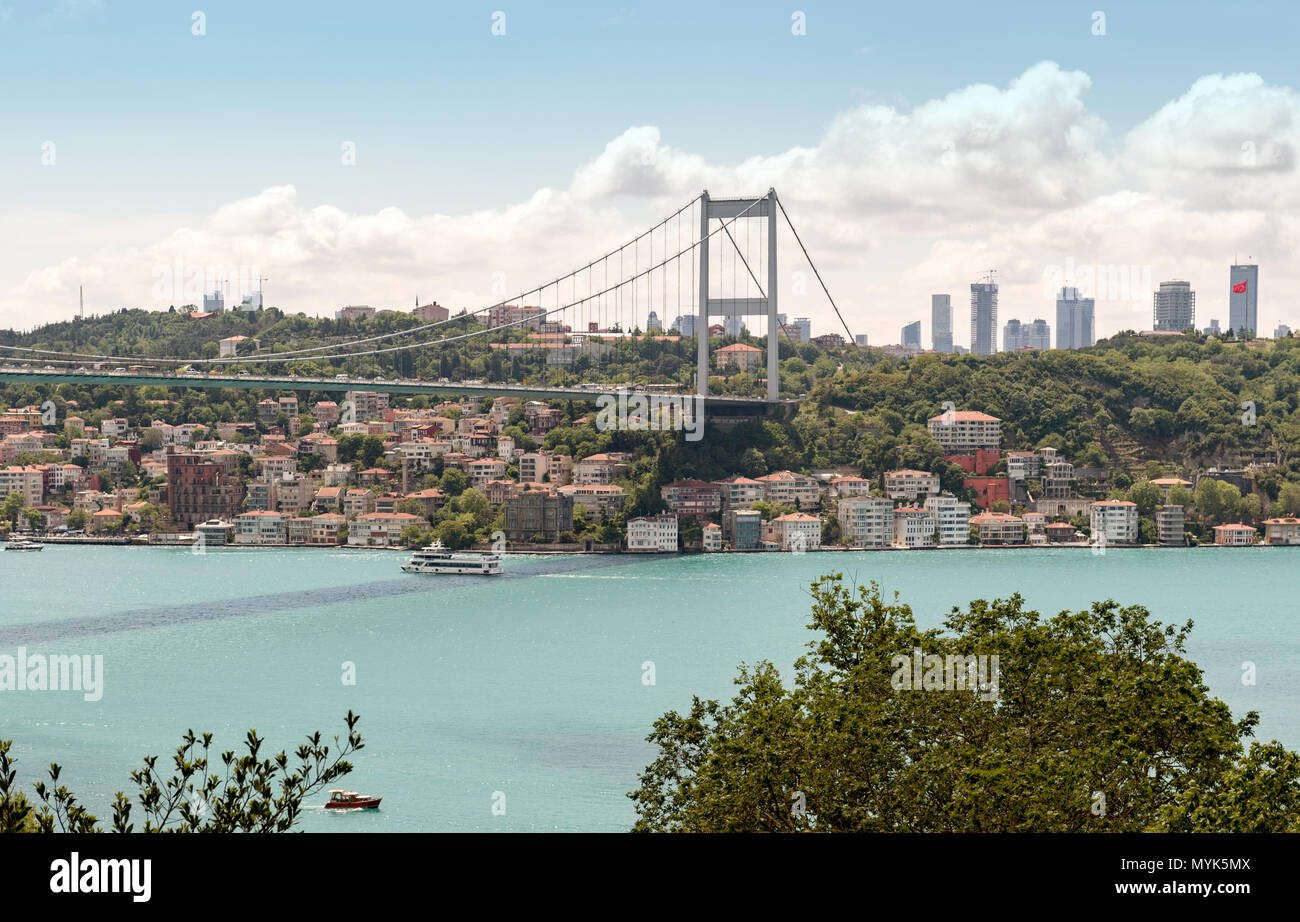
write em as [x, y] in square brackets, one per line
[437, 559]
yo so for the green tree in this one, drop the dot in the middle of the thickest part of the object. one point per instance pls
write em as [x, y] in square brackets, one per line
[1146, 495]
[453, 481]
[234, 793]
[1101, 701]
[12, 507]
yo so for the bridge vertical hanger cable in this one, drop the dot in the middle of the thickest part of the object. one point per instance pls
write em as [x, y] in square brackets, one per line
[813, 266]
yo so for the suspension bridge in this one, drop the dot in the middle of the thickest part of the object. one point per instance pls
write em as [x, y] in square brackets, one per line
[712, 259]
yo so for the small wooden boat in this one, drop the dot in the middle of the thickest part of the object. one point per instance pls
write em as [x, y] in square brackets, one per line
[351, 800]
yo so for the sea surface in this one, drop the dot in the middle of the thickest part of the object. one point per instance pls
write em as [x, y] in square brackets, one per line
[522, 702]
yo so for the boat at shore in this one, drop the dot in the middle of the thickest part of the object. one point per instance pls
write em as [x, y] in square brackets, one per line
[438, 560]
[23, 544]
[351, 800]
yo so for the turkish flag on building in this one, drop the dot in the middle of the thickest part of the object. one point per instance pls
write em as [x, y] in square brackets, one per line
[1239, 289]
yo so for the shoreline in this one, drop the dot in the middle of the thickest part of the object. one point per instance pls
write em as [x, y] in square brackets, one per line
[544, 550]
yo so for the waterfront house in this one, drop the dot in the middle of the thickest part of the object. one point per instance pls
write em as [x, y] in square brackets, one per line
[999, 528]
[325, 529]
[712, 537]
[381, 529]
[1284, 530]
[657, 533]
[913, 527]
[1234, 535]
[797, 531]
[1059, 532]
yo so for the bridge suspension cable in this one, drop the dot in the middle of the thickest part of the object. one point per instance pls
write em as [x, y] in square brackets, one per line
[637, 275]
[308, 351]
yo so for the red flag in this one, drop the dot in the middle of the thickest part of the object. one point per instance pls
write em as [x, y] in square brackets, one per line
[1239, 289]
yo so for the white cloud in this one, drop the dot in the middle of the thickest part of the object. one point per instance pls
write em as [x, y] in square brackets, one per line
[894, 204]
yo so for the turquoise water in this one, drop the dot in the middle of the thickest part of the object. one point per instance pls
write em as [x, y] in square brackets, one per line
[529, 684]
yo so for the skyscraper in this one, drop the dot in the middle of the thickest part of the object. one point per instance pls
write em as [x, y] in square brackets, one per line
[1074, 320]
[912, 336]
[941, 322]
[1174, 306]
[1243, 299]
[984, 317]
[1017, 335]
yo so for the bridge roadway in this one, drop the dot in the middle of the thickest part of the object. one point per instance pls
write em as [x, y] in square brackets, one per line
[714, 406]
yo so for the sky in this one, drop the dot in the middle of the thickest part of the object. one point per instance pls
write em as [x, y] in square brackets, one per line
[372, 153]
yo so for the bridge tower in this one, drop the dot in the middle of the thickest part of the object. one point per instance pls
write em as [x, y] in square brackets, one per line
[724, 209]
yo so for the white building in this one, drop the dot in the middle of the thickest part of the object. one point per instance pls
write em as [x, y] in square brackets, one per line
[913, 527]
[798, 531]
[866, 521]
[655, 533]
[951, 518]
[1116, 520]
[261, 528]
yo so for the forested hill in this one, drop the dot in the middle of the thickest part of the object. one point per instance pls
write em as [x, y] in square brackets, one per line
[1124, 403]
[1127, 400]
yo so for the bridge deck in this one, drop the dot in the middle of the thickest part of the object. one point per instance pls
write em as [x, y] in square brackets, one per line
[300, 383]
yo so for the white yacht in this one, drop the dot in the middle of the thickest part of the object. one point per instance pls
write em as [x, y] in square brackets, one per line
[437, 559]
[19, 543]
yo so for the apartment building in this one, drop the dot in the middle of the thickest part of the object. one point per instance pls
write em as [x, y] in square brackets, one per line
[600, 469]
[202, 487]
[28, 480]
[951, 518]
[484, 470]
[538, 512]
[326, 529]
[692, 497]
[966, 430]
[1169, 526]
[739, 492]
[1115, 521]
[866, 521]
[262, 527]
[850, 486]
[790, 488]
[597, 501]
[910, 485]
[743, 528]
